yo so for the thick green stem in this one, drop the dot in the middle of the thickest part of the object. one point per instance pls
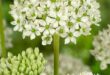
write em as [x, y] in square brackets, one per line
[56, 54]
[2, 37]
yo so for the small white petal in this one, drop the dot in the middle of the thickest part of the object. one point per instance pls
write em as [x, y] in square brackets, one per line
[43, 42]
[52, 31]
[103, 66]
[38, 33]
[32, 36]
[52, 14]
[67, 40]
[62, 23]
[55, 25]
[46, 32]
[48, 20]
[42, 22]
[16, 28]
[73, 40]
[76, 34]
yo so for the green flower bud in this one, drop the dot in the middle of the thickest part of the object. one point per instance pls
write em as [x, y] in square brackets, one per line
[29, 62]
[23, 54]
[31, 73]
[10, 55]
[36, 51]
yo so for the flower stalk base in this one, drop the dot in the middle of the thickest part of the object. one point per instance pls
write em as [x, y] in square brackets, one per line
[56, 54]
[2, 37]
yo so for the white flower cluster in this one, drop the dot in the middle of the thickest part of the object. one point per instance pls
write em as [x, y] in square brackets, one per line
[29, 62]
[68, 18]
[101, 49]
[8, 37]
[68, 66]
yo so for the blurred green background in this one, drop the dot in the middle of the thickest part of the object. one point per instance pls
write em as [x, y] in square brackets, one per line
[81, 49]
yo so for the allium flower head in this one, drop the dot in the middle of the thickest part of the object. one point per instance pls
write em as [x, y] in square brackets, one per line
[101, 49]
[68, 66]
[68, 18]
[29, 62]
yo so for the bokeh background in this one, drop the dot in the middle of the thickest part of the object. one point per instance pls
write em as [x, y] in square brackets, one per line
[80, 50]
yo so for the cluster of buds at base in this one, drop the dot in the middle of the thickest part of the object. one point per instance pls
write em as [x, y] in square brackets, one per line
[29, 62]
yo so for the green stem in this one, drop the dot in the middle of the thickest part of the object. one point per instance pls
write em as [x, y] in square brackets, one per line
[56, 54]
[2, 36]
